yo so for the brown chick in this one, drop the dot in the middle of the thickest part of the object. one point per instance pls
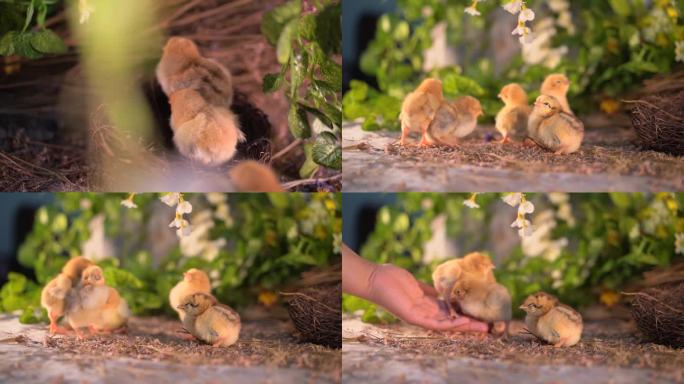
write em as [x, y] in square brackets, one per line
[454, 121]
[194, 281]
[419, 108]
[182, 66]
[551, 321]
[552, 129]
[96, 305]
[486, 301]
[53, 299]
[210, 321]
[473, 266]
[201, 131]
[252, 176]
[74, 268]
[557, 85]
[513, 116]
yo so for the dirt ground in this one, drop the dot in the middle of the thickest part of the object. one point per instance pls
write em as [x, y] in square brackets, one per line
[608, 160]
[264, 346]
[610, 350]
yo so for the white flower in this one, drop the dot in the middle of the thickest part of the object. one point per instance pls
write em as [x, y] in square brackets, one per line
[526, 39]
[471, 10]
[555, 274]
[565, 213]
[558, 198]
[513, 6]
[558, 5]
[526, 231]
[470, 202]
[679, 51]
[128, 202]
[97, 247]
[184, 231]
[84, 11]
[525, 207]
[512, 199]
[679, 243]
[223, 213]
[179, 222]
[526, 15]
[521, 222]
[183, 208]
[521, 30]
[635, 232]
[170, 199]
[216, 198]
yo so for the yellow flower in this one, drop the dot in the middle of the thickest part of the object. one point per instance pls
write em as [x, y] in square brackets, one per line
[672, 12]
[330, 204]
[609, 298]
[610, 106]
[268, 298]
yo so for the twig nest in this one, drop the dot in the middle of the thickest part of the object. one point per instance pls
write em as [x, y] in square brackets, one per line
[659, 314]
[659, 122]
[317, 314]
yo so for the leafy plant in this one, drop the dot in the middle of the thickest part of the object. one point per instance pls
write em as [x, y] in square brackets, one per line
[610, 240]
[307, 37]
[611, 46]
[247, 243]
[16, 38]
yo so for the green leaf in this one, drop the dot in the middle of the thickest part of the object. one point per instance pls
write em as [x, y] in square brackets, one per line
[621, 7]
[309, 167]
[274, 21]
[284, 47]
[23, 47]
[327, 151]
[331, 71]
[29, 16]
[7, 43]
[298, 122]
[272, 82]
[47, 41]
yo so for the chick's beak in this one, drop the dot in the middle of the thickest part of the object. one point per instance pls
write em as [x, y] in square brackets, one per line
[180, 307]
[521, 307]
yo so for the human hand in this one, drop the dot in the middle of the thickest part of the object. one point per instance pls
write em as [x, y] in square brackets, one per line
[396, 290]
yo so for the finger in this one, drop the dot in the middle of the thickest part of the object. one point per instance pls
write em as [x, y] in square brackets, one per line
[438, 323]
[428, 289]
[472, 326]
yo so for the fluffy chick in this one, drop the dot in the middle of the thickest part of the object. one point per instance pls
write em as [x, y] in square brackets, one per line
[486, 301]
[557, 85]
[96, 305]
[53, 299]
[419, 108]
[252, 176]
[553, 129]
[182, 66]
[513, 116]
[194, 281]
[552, 321]
[454, 121]
[74, 268]
[473, 266]
[210, 321]
[201, 131]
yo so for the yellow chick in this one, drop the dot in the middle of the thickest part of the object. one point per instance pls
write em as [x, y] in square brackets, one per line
[182, 66]
[552, 321]
[473, 266]
[252, 176]
[96, 305]
[201, 131]
[210, 321]
[419, 108]
[194, 281]
[513, 116]
[557, 85]
[486, 301]
[454, 121]
[53, 299]
[553, 129]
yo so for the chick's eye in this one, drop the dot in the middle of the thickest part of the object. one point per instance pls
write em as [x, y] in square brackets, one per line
[547, 104]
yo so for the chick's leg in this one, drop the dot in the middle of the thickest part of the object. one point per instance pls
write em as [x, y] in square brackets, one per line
[561, 343]
[54, 328]
[218, 343]
[404, 134]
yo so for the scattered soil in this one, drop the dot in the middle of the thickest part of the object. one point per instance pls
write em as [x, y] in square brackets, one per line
[605, 150]
[266, 343]
[607, 343]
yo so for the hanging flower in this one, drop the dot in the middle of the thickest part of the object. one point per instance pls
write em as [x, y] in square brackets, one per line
[472, 9]
[84, 11]
[128, 202]
[679, 51]
[170, 199]
[513, 199]
[679, 243]
[182, 207]
[513, 7]
[470, 202]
